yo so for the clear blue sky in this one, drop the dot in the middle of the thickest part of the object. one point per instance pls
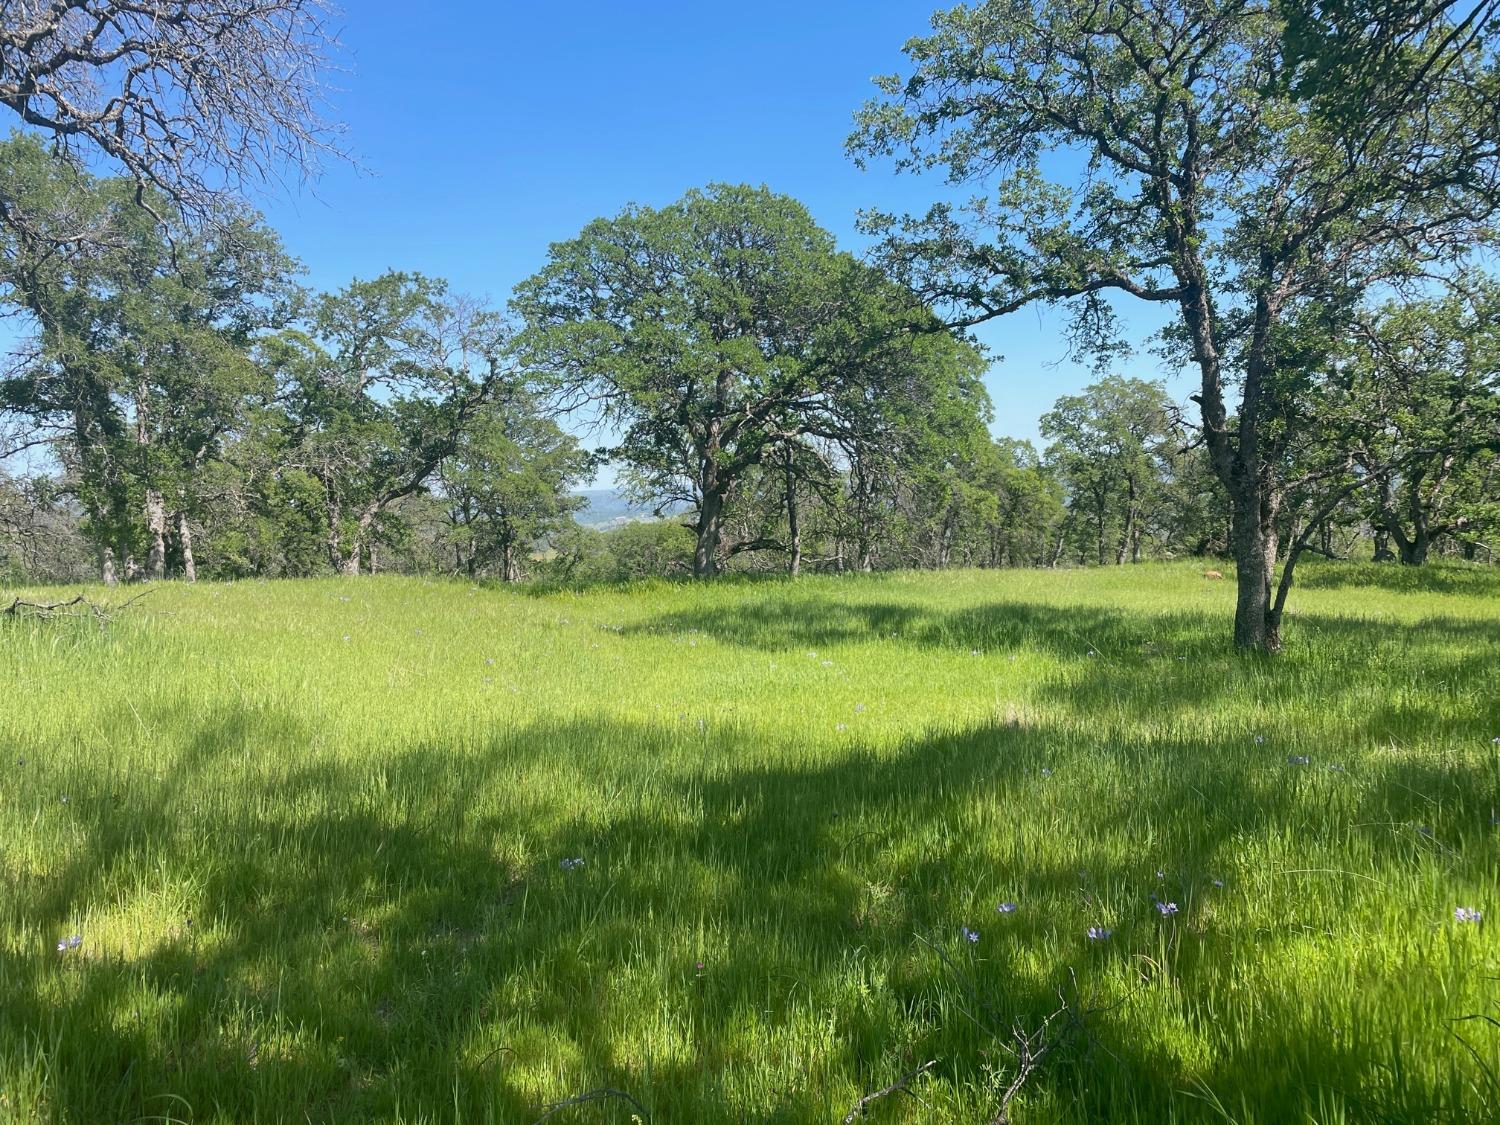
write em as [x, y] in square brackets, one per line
[487, 130]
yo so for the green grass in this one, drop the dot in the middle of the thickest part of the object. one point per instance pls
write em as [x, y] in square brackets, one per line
[312, 836]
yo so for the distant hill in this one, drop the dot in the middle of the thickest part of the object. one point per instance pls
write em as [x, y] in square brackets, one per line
[607, 507]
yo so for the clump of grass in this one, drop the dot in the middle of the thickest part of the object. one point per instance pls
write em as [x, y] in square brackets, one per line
[415, 851]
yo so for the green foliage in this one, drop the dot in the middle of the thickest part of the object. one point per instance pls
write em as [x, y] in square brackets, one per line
[312, 836]
[1113, 447]
[634, 550]
[507, 485]
[715, 332]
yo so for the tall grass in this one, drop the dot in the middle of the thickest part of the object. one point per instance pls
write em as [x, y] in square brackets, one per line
[319, 841]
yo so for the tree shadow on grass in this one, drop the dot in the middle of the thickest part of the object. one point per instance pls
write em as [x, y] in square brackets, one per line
[1471, 580]
[750, 936]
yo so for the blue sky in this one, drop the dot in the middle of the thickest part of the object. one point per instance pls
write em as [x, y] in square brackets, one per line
[485, 131]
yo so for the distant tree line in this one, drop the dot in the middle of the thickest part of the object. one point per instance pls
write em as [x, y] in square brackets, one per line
[1308, 192]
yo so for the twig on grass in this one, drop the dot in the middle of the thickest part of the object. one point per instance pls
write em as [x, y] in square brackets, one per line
[898, 1086]
[602, 1094]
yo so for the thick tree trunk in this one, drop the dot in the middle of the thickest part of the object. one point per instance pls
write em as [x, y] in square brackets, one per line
[107, 573]
[156, 536]
[1256, 624]
[1414, 551]
[710, 524]
[185, 542]
[349, 564]
[509, 571]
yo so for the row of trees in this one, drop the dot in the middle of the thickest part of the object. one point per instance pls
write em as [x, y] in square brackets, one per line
[1308, 192]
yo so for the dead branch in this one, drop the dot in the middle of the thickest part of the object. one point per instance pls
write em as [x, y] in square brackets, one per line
[604, 1093]
[1031, 1049]
[101, 612]
[898, 1086]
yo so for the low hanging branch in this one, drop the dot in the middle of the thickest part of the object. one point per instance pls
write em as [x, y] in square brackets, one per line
[77, 606]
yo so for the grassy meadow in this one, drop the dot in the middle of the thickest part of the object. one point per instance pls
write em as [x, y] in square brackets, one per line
[417, 851]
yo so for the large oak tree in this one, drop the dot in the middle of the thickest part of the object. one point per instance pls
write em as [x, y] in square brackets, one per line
[1253, 170]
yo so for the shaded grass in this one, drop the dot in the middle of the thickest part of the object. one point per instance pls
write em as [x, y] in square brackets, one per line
[314, 839]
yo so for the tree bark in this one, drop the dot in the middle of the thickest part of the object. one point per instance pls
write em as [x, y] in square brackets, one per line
[710, 522]
[156, 531]
[1256, 625]
[107, 573]
[793, 521]
[185, 541]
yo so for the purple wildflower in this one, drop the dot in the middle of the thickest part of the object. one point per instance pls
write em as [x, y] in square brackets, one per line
[1166, 908]
[969, 935]
[1467, 914]
[68, 943]
[572, 863]
[1098, 933]
[1297, 759]
[1006, 908]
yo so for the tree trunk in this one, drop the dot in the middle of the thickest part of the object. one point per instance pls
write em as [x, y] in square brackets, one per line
[1256, 625]
[793, 522]
[706, 551]
[1414, 550]
[349, 564]
[1128, 535]
[185, 541]
[156, 536]
[107, 573]
[509, 571]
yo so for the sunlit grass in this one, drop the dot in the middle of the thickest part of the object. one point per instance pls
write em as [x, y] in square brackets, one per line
[313, 834]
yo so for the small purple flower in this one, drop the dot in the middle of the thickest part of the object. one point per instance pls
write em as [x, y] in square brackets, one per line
[69, 943]
[969, 935]
[1006, 908]
[1098, 933]
[1259, 739]
[1218, 883]
[1161, 873]
[1467, 914]
[1297, 759]
[1046, 771]
[1165, 909]
[66, 799]
[572, 863]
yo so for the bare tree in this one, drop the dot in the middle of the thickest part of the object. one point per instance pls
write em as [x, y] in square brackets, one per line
[195, 99]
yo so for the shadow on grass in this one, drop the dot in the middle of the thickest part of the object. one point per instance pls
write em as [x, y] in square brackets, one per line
[399, 938]
[1469, 579]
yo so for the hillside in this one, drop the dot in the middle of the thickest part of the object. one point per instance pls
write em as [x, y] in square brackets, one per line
[412, 850]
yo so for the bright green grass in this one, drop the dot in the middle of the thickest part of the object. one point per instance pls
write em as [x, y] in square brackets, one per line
[312, 835]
